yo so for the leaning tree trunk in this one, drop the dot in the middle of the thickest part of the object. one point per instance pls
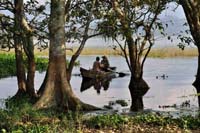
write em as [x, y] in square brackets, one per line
[21, 77]
[137, 86]
[29, 50]
[76, 55]
[42, 87]
[57, 90]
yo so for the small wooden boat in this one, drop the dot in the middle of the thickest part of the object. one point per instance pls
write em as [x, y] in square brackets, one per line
[91, 74]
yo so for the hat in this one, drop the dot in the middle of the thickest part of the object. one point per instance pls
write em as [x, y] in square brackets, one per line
[103, 56]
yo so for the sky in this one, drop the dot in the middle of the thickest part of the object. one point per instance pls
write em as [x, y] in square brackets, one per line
[177, 14]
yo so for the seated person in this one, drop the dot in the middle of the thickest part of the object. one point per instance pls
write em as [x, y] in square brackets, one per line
[96, 65]
[104, 63]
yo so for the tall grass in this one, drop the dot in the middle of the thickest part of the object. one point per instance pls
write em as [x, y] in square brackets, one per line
[8, 64]
[173, 52]
[154, 53]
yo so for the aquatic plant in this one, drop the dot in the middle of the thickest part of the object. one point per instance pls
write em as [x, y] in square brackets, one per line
[123, 103]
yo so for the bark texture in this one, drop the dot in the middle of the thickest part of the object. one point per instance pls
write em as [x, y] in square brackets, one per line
[137, 84]
[29, 50]
[57, 90]
[21, 77]
[138, 88]
[192, 13]
[23, 41]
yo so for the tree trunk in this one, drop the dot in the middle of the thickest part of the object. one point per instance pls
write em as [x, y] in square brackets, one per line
[75, 56]
[137, 86]
[42, 87]
[21, 77]
[29, 50]
[196, 83]
[57, 90]
[192, 13]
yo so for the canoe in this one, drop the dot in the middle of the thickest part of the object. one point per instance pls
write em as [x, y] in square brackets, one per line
[91, 74]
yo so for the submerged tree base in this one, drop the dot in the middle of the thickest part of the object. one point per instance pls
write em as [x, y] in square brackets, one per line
[138, 89]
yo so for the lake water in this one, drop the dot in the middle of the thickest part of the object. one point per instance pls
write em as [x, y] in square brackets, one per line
[175, 89]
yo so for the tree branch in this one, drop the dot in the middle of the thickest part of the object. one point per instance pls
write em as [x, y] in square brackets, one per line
[124, 52]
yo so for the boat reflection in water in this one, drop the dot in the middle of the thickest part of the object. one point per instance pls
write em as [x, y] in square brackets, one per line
[99, 80]
[97, 84]
[103, 84]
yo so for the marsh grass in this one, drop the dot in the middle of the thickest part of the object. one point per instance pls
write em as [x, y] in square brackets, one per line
[173, 52]
[168, 52]
[165, 52]
[7, 61]
[8, 64]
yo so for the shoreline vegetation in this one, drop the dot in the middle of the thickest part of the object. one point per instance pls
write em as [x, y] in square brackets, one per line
[8, 68]
[168, 52]
[20, 117]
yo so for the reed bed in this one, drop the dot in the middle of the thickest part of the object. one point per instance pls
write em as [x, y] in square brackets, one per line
[155, 52]
[167, 52]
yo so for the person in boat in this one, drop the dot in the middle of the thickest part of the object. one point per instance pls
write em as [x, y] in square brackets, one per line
[97, 65]
[104, 64]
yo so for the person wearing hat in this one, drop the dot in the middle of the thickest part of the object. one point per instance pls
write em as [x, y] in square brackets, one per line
[105, 63]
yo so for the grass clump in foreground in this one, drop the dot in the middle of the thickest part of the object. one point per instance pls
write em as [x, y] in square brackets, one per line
[20, 117]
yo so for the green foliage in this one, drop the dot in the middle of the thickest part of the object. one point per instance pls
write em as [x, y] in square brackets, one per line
[41, 64]
[188, 122]
[152, 119]
[8, 64]
[184, 122]
[123, 103]
[21, 117]
[103, 121]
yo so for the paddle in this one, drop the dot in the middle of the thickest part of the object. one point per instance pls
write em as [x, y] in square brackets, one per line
[121, 74]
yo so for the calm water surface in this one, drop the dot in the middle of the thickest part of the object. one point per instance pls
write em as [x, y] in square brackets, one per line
[175, 89]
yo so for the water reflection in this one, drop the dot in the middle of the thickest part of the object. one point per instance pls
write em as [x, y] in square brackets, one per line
[104, 84]
[97, 84]
[175, 89]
